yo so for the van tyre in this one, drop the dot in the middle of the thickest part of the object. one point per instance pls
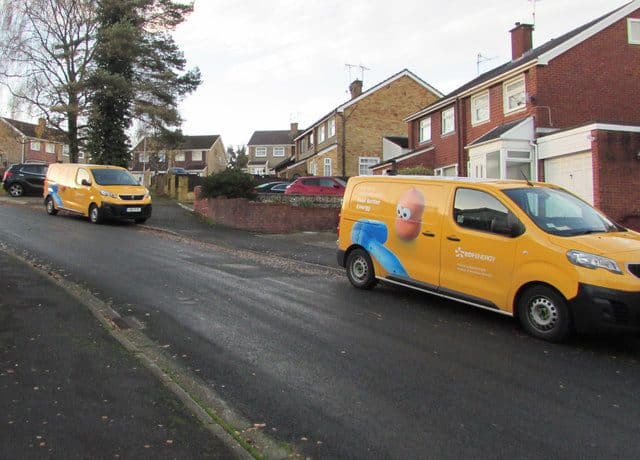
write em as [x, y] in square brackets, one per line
[16, 190]
[544, 313]
[51, 208]
[95, 215]
[360, 269]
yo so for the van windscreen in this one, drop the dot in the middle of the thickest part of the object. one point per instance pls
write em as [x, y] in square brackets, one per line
[560, 213]
[113, 177]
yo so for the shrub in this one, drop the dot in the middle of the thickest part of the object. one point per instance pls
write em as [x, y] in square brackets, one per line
[415, 171]
[229, 183]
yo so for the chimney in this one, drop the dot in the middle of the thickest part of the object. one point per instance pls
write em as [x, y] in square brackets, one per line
[293, 132]
[521, 40]
[356, 88]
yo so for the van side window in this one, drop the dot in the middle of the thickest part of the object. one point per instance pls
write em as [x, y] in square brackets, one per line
[83, 174]
[479, 210]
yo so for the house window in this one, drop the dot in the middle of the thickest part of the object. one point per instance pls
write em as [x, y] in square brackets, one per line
[161, 157]
[480, 108]
[196, 156]
[180, 156]
[633, 25]
[514, 95]
[425, 130]
[310, 139]
[261, 151]
[327, 166]
[35, 145]
[365, 164]
[332, 127]
[519, 164]
[50, 148]
[143, 158]
[321, 134]
[448, 171]
[303, 144]
[65, 150]
[313, 168]
[278, 151]
[448, 120]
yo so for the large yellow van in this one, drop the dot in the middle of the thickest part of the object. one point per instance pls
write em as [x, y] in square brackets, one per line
[529, 250]
[96, 191]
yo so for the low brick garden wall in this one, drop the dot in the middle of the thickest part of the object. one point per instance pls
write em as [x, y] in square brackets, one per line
[268, 217]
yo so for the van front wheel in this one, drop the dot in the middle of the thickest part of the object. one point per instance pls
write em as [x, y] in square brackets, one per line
[360, 269]
[544, 313]
[51, 209]
[95, 215]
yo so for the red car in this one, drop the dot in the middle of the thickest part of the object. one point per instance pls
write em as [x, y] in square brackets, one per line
[316, 185]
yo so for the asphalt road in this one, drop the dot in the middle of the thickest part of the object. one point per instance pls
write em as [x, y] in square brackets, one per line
[342, 373]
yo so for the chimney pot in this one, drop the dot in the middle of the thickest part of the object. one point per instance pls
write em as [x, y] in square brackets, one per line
[521, 40]
[356, 88]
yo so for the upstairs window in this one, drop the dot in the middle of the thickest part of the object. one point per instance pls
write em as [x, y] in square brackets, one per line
[332, 127]
[180, 156]
[514, 95]
[196, 156]
[321, 134]
[50, 148]
[310, 139]
[633, 27]
[480, 108]
[65, 150]
[278, 151]
[143, 158]
[425, 130]
[261, 151]
[35, 145]
[448, 121]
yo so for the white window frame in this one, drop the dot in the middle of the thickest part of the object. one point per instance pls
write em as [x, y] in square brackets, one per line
[510, 93]
[327, 167]
[424, 129]
[161, 157]
[35, 146]
[143, 157]
[313, 169]
[278, 151]
[194, 156]
[448, 115]
[479, 102]
[179, 156]
[50, 148]
[331, 128]
[65, 150]
[365, 163]
[440, 171]
[633, 30]
[311, 140]
[261, 152]
[321, 134]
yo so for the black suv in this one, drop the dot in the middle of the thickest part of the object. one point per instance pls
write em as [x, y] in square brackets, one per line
[24, 178]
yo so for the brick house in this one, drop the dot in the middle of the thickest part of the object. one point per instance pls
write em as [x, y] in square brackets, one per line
[202, 155]
[567, 112]
[348, 140]
[22, 142]
[267, 149]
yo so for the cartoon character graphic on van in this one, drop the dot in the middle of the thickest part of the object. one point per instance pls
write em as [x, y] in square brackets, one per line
[371, 235]
[409, 214]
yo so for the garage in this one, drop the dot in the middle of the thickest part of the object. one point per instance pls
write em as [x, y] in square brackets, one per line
[573, 172]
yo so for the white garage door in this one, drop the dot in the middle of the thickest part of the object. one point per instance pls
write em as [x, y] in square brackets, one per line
[573, 172]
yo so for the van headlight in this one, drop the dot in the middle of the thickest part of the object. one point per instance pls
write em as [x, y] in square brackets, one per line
[593, 261]
[108, 193]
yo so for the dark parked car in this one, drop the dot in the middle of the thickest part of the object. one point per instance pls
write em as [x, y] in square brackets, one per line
[178, 171]
[271, 187]
[316, 185]
[24, 178]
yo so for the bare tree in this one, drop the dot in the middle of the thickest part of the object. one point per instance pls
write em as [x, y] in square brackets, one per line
[46, 54]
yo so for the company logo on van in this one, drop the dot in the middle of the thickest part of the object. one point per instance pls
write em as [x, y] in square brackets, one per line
[463, 254]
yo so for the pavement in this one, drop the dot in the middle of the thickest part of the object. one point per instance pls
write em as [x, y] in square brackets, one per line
[69, 390]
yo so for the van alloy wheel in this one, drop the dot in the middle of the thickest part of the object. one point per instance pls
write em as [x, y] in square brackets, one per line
[544, 313]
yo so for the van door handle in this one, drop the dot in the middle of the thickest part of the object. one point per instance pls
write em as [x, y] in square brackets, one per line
[453, 238]
[429, 234]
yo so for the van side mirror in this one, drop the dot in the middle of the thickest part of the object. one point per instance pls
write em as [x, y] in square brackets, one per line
[85, 182]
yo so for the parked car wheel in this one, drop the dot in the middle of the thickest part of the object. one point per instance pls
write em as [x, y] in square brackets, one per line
[544, 313]
[360, 269]
[51, 208]
[95, 215]
[16, 190]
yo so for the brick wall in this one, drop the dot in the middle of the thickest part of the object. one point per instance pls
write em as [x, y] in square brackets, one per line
[248, 215]
[615, 176]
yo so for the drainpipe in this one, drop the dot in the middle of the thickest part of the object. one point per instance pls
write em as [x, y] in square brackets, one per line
[23, 143]
[462, 167]
[343, 146]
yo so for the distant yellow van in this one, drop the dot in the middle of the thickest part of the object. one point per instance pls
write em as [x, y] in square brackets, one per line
[530, 250]
[96, 191]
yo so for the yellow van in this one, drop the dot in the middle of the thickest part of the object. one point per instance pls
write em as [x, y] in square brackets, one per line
[529, 250]
[96, 191]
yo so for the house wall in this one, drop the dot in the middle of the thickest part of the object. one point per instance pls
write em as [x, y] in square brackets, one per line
[594, 81]
[378, 115]
[336, 167]
[616, 169]
[10, 146]
[216, 158]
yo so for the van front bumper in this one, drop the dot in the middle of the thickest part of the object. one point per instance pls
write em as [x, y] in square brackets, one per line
[598, 309]
[129, 211]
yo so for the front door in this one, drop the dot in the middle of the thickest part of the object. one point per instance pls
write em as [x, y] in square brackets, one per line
[477, 254]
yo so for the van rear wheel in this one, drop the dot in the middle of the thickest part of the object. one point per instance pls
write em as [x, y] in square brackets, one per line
[544, 313]
[360, 269]
[95, 215]
[51, 208]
